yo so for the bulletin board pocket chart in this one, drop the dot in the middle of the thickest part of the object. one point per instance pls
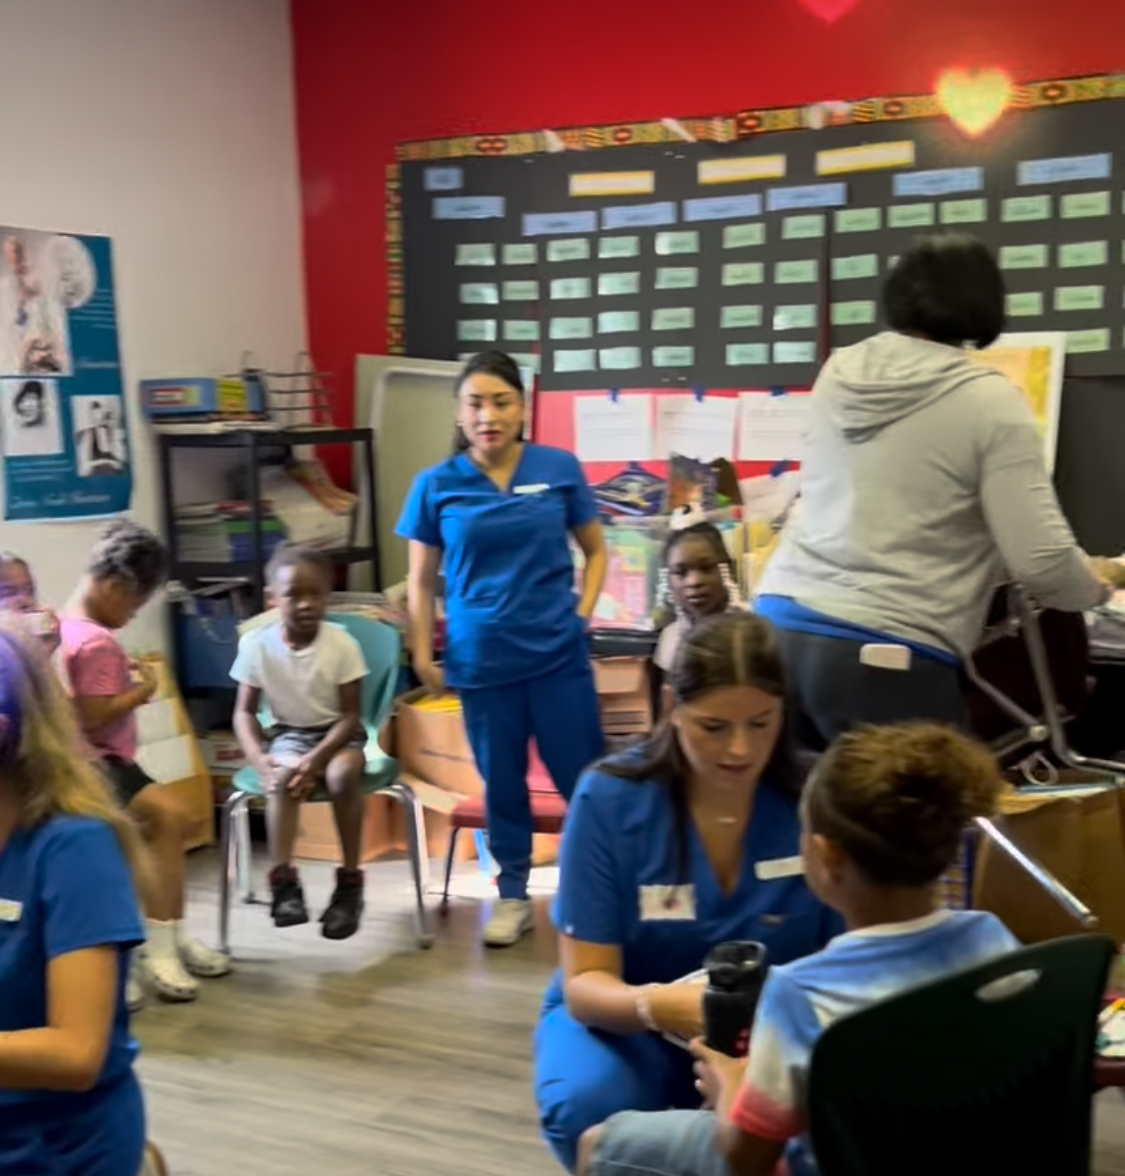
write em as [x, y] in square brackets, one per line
[636, 259]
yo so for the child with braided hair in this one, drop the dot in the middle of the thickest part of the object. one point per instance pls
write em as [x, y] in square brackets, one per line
[126, 567]
[696, 580]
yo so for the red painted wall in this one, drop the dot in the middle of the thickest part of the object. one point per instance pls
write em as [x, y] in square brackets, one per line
[373, 73]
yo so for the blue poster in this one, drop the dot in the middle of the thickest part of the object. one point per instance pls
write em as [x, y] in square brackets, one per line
[62, 404]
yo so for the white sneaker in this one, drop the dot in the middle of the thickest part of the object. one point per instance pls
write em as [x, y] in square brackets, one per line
[166, 972]
[135, 994]
[511, 919]
[198, 958]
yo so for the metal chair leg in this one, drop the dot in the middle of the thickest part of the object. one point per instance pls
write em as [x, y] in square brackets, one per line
[226, 848]
[405, 797]
[245, 853]
[450, 858]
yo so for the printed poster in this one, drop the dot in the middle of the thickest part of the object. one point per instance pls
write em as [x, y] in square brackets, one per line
[1034, 362]
[62, 404]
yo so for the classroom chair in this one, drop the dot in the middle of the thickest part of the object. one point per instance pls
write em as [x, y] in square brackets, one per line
[381, 647]
[990, 1070]
[548, 815]
[1031, 677]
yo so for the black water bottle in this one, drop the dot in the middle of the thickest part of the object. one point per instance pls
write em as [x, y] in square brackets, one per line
[736, 972]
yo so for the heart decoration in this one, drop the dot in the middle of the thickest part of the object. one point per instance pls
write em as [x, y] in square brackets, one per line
[830, 11]
[974, 99]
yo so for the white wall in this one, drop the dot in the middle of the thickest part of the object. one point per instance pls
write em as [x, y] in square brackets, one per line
[167, 125]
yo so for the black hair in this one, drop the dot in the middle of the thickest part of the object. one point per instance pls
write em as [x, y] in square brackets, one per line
[735, 649]
[486, 363]
[947, 287]
[897, 800]
[292, 555]
[29, 388]
[700, 530]
[129, 552]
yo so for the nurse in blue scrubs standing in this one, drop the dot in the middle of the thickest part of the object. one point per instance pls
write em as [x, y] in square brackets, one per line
[690, 840]
[497, 518]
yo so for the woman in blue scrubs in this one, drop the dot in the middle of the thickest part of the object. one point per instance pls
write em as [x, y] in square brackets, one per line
[70, 1104]
[685, 842]
[497, 518]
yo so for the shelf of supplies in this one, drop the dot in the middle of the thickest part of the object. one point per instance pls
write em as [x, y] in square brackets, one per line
[247, 438]
[195, 570]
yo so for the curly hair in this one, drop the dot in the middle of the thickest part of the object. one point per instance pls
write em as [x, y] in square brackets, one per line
[897, 799]
[128, 552]
[291, 555]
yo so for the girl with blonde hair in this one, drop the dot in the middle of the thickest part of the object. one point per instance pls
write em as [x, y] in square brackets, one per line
[71, 867]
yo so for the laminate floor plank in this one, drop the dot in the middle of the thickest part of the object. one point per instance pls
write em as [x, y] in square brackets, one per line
[368, 1057]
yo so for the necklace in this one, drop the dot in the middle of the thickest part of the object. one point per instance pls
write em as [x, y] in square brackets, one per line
[726, 820]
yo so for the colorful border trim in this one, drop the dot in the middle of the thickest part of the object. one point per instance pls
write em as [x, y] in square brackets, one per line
[746, 123]
[720, 129]
[396, 305]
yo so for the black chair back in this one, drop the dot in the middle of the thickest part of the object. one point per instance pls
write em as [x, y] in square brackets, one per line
[987, 1071]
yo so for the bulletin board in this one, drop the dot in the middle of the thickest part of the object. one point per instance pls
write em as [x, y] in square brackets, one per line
[741, 263]
[711, 278]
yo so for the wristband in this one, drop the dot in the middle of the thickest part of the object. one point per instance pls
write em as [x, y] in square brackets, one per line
[644, 1008]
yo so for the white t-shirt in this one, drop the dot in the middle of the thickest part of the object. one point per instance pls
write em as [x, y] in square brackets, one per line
[302, 686]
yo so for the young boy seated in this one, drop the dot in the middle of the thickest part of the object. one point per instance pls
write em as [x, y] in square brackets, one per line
[310, 675]
[883, 818]
[127, 565]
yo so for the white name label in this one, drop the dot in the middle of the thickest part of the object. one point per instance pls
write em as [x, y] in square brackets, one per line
[10, 911]
[790, 867]
[667, 903]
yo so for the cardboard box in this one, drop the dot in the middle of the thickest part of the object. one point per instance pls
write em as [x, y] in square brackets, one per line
[202, 398]
[222, 753]
[316, 831]
[624, 695]
[1077, 835]
[433, 745]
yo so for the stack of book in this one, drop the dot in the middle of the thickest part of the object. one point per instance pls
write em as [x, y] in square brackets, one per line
[222, 532]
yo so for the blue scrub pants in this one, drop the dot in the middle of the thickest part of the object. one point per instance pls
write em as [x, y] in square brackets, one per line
[560, 712]
[583, 1076]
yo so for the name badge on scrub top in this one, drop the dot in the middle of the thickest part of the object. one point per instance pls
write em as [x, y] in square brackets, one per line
[10, 911]
[537, 488]
[790, 867]
[667, 903]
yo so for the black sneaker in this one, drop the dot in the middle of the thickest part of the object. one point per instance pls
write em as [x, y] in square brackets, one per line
[341, 917]
[287, 902]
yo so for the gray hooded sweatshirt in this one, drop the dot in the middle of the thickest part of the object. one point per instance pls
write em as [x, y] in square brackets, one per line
[923, 479]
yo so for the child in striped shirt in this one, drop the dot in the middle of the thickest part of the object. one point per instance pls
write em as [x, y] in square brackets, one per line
[883, 817]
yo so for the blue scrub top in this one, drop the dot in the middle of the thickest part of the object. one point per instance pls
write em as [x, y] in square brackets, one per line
[509, 574]
[621, 883]
[64, 887]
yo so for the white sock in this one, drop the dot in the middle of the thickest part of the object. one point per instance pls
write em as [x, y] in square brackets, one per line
[160, 940]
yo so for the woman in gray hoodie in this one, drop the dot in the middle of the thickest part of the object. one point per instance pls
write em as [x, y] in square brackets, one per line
[923, 483]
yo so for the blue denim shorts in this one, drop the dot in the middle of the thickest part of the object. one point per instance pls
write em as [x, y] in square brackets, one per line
[658, 1143]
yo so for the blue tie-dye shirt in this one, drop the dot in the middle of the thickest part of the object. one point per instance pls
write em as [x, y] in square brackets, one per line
[800, 1000]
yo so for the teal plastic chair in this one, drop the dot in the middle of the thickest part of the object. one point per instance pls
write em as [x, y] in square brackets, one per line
[987, 1071]
[382, 650]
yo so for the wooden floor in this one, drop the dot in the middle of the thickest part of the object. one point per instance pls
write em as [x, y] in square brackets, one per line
[367, 1058]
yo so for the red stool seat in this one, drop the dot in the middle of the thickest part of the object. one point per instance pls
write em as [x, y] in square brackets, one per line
[548, 815]
[548, 812]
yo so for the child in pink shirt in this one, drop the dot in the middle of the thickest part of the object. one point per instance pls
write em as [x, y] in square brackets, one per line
[128, 565]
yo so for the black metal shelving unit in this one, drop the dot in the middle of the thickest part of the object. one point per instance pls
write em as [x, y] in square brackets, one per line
[260, 447]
